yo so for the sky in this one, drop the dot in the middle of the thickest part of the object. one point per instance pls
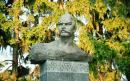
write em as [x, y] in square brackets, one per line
[6, 53]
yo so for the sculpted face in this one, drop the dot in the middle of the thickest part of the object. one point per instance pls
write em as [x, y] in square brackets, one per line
[66, 25]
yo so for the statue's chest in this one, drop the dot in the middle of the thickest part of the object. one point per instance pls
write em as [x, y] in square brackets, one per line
[66, 50]
[60, 50]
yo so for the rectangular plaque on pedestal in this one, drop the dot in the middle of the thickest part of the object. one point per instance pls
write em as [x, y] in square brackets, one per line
[53, 70]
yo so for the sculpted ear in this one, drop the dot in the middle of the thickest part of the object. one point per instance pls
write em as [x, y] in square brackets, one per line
[75, 26]
[75, 22]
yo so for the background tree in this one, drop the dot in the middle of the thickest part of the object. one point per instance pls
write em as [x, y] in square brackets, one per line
[105, 35]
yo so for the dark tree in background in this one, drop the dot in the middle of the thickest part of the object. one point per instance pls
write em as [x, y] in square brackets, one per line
[105, 35]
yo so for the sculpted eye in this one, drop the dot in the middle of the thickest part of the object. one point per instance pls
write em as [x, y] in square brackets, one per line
[59, 23]
[69, 23]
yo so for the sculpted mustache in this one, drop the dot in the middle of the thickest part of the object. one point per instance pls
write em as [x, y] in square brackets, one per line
[64, 31]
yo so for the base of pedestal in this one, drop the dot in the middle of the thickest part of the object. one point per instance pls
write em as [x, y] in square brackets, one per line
[53, 70]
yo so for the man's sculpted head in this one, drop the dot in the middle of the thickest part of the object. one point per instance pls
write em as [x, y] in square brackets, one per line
[66, 25]
[62, 49]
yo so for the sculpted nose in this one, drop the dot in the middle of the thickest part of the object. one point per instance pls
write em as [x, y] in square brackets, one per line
[63, 27]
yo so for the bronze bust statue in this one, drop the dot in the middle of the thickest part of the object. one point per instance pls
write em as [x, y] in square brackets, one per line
[62, 49]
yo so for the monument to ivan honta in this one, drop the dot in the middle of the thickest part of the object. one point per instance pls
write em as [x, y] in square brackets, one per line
[61, 60]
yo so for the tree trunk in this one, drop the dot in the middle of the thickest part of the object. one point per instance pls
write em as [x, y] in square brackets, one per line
[128, 73]
[15, 59]
[16, 46]
[15, 63]
[61, 4]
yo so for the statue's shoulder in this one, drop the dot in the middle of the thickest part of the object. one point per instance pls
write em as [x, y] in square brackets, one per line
[51, 45]
[78, 49]
[44, 45]
[38, 45]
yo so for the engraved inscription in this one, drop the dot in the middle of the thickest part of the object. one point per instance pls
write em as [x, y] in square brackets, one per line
[67, 66]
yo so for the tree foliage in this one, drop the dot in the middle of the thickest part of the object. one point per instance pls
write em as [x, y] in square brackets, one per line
[105, 37]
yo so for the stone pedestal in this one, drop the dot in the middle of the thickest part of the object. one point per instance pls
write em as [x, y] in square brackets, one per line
[64, 71]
